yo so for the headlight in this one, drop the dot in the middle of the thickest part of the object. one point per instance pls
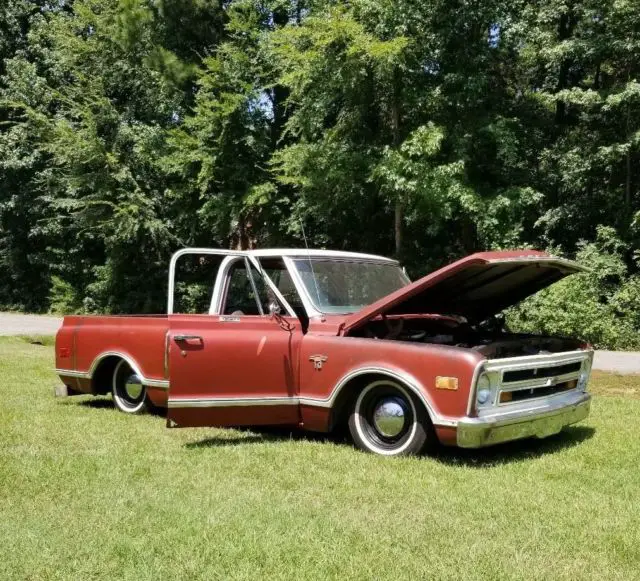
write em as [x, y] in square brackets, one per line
[483, 391]
[483, 396]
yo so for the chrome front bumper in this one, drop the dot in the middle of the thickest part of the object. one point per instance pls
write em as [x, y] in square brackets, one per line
[544, 420]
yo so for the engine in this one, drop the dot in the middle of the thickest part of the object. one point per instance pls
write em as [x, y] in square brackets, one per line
[489, 339]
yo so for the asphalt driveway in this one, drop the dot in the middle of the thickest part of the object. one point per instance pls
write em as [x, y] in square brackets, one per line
[624, 362]
[16, 324]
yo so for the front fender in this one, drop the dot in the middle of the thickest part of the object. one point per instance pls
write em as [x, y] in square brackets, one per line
[417, 366]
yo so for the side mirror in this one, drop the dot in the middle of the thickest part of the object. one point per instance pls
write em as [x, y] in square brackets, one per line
[274, 308]
[274, 313]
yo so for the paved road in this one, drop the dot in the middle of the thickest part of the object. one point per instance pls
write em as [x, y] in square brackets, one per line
[14, 324]
[624, 362]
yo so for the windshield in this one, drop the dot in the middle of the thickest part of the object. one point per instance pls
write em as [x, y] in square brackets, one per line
[345, 286]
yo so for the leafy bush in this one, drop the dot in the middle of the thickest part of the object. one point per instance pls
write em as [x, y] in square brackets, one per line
[193, 298]
[601, 306]
[63, 298]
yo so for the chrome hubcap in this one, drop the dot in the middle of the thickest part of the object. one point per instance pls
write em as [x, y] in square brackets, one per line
[133, 387]
[389, 417]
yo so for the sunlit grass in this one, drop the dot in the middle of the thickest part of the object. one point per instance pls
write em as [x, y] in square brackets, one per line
[88, 493]
[613, 384]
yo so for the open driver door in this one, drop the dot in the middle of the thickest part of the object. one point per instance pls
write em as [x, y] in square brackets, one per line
[238, 364]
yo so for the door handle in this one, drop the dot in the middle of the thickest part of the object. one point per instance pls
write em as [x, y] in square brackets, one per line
[187, 338]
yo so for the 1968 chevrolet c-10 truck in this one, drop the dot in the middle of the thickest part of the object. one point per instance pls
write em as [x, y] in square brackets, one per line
[320, 339]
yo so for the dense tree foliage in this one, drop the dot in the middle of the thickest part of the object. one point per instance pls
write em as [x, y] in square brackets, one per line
[425, 130]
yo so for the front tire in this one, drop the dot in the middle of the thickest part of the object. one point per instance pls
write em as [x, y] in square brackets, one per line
[129, 395]
[387, 420]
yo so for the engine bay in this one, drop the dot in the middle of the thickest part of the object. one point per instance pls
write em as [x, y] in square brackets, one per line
[488, 338]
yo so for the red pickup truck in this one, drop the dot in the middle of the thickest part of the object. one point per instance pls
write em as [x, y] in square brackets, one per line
[321, 339]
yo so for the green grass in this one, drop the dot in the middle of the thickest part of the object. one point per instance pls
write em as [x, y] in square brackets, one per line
[88, 493]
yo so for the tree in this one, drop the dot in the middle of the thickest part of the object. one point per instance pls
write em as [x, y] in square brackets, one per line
[428, 130]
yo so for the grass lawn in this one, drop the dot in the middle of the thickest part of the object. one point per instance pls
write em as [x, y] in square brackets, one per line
[89, 493]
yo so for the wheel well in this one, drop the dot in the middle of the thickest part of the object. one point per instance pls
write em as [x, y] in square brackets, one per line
[349, 393]
[103, 375]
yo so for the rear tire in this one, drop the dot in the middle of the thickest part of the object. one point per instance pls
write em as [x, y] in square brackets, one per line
[129, 395]
[386, 419]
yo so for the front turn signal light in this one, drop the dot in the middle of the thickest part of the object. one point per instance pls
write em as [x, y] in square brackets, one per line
[450, 383]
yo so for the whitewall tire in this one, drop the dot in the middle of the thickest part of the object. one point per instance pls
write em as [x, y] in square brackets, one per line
[129, 395]
[386, 419]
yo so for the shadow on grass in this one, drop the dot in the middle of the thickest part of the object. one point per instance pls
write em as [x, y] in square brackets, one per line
[514, 451]
[480, 458]
[260, 435]
[106, 403]
[96, 404]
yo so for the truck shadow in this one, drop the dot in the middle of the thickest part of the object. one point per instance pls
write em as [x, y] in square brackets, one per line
[96, 403]
[261, 435]
[480, 458]
[106, 403]
[514, 451]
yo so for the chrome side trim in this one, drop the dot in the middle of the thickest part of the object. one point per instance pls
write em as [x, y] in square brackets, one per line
[146, 381]
[222, 402]
[105, 354]
[404, 378]
[70, 373]
[156, 383]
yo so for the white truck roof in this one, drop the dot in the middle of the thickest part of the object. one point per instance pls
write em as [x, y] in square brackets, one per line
[303, 253]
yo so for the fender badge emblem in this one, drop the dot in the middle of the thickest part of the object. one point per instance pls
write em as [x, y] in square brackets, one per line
[318, 361]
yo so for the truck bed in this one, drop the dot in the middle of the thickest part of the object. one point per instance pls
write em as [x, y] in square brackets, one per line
[87, 348]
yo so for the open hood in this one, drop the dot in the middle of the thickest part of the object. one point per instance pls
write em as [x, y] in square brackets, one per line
[474, 287]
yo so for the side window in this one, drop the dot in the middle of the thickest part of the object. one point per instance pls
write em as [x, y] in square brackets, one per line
[265, 296]
[278, 273]
[240, 298]
[195, 275]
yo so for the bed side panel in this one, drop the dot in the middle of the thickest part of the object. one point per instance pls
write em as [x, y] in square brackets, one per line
[140, 338]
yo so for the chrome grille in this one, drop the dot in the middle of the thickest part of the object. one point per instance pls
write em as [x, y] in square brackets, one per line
[540, 372]
[524, 394]
[531, 382]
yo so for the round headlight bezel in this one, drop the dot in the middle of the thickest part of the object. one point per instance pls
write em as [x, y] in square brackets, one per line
[484, 391]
